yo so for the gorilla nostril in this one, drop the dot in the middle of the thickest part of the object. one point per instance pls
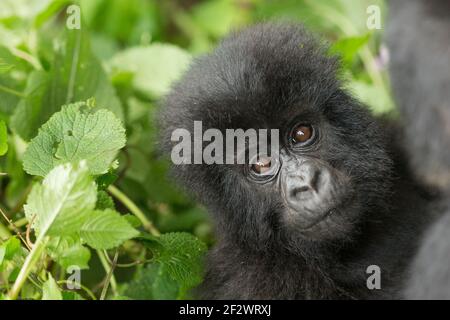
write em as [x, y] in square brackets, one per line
[298, 190]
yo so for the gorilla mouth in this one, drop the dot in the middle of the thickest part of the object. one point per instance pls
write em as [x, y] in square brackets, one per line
[307, 224]
[321, 219]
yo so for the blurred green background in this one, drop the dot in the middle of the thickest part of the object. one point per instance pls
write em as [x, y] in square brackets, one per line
[142, 46]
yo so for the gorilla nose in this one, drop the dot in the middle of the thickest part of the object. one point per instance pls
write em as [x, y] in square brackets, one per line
[303, 183]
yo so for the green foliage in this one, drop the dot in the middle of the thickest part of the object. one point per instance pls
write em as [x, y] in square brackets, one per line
[179, 258]
[104, 201]
[348, 47]
[9, 249]
[154, 67]
[106, 229]
[80, 175]
[76, 132]
[152, 283]
[50, 290]
[176, 267]
[3, 138]
[63, 202]
[69, 251]
[74, 75]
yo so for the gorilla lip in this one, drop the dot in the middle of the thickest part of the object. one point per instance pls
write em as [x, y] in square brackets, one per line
[316, 221]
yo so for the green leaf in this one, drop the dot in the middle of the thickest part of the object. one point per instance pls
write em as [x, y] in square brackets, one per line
[120, 297]
[217, 17]
[153, 283]
[3, 138]
[70, 295]
[155, 67]
[11, 85]
[105, 180]
[29, 108]
[133, 220]
[68, 251]
[181, 256]
[50, 10]
[64, 200]
[104, 201]
[106, 229]
[348, 47]
[2, 254]
[378, 101]
[9, 249]
[75, 74]
[73, 134]
[50, 290]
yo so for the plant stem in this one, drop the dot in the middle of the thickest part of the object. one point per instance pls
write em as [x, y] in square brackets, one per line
[86, 289]
[19, 223]
[109, 275]
[28, 265]
[12, 91]
[14, 228]
[127, 202]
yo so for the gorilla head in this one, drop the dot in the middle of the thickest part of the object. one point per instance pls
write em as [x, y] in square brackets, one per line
[332, 167]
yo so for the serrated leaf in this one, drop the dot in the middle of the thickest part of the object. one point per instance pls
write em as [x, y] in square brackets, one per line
[3, 138]
[68, 251]
[106, 229]
[155, 67]
[105, 180]
[74, 134]
[50, 290]
[104, 201]
[64, 200]
[181, 257]
[75, 74]
[153, 283]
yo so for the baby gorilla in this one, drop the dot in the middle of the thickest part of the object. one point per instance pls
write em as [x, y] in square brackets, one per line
[338, 198]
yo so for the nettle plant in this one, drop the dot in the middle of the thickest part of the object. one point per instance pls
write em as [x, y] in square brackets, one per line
[70, 212]
[63, 123]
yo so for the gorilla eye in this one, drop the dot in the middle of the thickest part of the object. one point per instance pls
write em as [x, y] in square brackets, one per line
[302, 134]
[262, 166]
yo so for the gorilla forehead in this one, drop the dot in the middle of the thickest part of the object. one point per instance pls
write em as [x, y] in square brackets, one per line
[265, 73]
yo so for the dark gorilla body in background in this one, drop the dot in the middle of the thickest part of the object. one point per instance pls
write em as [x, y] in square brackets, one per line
[418, 35]
[265, 77]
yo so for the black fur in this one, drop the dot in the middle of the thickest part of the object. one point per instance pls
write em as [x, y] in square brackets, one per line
[419, 42]
[263, 77]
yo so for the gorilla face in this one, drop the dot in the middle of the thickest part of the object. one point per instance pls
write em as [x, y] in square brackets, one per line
[331, 168]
